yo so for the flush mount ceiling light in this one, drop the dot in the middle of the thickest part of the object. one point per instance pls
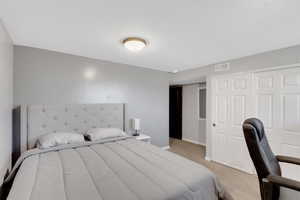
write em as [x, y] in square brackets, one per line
[134, 44]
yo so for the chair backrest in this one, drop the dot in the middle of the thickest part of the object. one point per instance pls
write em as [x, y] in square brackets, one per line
[261, 154]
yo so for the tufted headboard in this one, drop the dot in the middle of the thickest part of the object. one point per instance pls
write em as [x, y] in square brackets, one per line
[37, 120]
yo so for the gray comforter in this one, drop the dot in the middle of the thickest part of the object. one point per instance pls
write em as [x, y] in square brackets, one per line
[122, 169]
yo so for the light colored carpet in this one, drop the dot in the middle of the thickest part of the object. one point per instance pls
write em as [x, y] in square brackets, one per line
[240, 185]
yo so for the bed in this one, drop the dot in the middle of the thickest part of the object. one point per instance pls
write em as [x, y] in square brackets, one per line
[116, 168]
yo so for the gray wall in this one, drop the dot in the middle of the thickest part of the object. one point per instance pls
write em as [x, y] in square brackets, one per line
[202, 132]
[193, 129]
[47, 77]
[281, 57]
[6, 99]
[190, 121]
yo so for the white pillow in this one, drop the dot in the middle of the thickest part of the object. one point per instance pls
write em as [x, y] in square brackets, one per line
[103, 133]
[59, 138]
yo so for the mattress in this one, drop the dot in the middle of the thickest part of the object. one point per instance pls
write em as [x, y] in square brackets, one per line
[123, 168]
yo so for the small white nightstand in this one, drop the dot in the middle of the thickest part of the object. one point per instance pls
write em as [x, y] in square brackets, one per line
[144, 138]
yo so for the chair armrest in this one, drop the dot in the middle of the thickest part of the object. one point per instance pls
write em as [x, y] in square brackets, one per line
[287, 159]
[284, 182]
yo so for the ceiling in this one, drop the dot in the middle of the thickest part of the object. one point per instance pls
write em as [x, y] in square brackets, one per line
[182, 34]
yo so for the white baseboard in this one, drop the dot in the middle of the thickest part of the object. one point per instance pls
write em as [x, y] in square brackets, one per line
[207, 158]
[202, 144]
[193, 141]
[166, 147]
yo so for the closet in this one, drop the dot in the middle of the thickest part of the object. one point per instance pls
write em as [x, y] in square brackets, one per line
[272, 96]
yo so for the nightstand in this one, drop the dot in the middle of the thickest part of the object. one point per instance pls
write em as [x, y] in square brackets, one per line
[144, 138]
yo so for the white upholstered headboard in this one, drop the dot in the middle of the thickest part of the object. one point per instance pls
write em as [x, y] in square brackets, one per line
[41, 119]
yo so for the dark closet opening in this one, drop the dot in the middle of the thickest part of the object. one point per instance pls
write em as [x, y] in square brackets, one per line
[175, 112]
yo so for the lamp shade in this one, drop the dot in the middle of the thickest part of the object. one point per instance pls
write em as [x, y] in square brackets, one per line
[136, 124]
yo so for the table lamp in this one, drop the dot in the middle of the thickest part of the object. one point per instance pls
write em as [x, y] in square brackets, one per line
[136, 126]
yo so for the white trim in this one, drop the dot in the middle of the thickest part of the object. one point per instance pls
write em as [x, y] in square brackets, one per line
[165, 147]
[193, 141]
[207, 158]
[276, 68]
[202, 144]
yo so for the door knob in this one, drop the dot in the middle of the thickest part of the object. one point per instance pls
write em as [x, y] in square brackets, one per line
[214, 125]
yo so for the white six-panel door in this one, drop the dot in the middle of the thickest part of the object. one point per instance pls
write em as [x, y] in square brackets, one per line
[231, 106]
[278, 106]
[273, 97]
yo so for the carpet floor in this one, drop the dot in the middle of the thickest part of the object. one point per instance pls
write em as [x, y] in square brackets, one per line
[240, 185]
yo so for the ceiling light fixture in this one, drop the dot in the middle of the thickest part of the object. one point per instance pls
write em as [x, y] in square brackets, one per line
[134, 44]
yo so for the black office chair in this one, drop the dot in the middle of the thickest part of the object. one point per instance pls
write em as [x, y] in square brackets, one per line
[272, 185]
